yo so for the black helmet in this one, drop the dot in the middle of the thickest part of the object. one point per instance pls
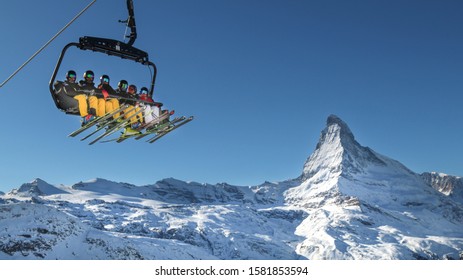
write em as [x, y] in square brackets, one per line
[122, 85]
[144, 90]
[89, 75]
[71, 74]
[104, 79]
[134, 87]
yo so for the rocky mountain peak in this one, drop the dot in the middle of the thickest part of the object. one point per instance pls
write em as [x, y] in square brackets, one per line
[449, 185]
[37, 187]
[338, 151]
[337, 126]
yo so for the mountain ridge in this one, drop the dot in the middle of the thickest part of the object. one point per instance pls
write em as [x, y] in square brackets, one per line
[350, 202]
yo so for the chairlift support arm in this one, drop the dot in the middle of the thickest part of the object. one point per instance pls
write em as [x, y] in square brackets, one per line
[131, 23]
[110, 47]
[113, 48]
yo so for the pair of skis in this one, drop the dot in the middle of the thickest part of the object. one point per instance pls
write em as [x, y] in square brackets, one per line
[108, 122]
[158, 130]
[98, 120]
[112, 125]
[147, 127]
[170, 128]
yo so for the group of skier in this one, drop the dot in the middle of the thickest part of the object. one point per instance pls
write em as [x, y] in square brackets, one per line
[92, 105]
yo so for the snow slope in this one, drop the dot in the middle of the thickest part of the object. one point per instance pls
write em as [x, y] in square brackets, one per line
[179, 220]
[363, 205]
[349, 203]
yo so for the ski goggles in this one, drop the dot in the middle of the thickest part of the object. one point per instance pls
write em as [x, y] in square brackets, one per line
[144, 91]
[106, 80]
[124, 86]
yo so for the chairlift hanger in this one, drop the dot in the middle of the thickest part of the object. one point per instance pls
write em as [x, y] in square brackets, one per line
[109, 47]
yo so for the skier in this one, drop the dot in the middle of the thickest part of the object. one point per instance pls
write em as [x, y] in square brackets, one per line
[126, 99]
[71, 77]
[89, 87]
[70, 81]
[111, 104]
[82, 100]
[88, 102]
[150, 112]
[121, 90]
[69, 88]
[137, 119]
[104, 80]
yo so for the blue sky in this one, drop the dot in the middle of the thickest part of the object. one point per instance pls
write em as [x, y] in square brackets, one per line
[260, 77]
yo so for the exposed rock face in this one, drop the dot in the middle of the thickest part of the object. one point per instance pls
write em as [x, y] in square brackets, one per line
[451, 186]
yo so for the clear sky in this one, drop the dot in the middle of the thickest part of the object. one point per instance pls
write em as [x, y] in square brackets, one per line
[260, 77]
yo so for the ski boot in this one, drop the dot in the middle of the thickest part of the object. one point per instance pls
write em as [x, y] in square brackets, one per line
[88, 118]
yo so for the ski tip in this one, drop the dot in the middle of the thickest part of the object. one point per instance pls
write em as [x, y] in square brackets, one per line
[93, 142]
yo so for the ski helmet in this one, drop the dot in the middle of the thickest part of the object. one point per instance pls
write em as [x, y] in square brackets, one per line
[144, 90]
[104, 79]
[71, 74]
[132, 88]
[122, 85]
[89, 75]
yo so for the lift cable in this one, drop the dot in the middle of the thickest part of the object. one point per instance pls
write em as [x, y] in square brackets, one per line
[46, 45]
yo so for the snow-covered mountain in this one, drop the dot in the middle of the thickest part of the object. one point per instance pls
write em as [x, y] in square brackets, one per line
[365, 205]
[349, 203]
[171, 219]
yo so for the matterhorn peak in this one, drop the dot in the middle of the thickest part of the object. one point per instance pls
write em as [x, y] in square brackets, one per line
[335, 125]
[338, 151]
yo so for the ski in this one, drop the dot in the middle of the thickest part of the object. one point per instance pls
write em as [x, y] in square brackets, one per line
[169, 129]
[146, 126]
[96, 121]
[115, 122]
[117, 126]
[118, 139]
[157, 120]
[141, 135]
[111, 130]
[125, 137]
[158, 128]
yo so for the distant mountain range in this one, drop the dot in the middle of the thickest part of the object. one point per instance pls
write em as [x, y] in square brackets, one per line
[350, 202]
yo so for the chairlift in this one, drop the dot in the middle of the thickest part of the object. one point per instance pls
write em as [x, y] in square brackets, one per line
[63, 94]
